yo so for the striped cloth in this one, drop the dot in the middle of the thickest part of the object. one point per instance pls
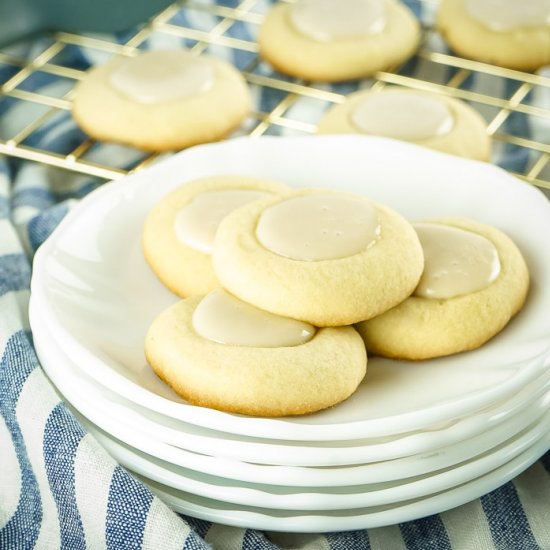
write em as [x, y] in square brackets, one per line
[60, 489]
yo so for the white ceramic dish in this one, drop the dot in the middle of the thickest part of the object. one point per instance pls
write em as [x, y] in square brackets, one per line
[94, 289]
[115, 418]
[343, 520]
[285, 497]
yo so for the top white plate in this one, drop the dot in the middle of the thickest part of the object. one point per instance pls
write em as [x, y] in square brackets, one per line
[94, 289]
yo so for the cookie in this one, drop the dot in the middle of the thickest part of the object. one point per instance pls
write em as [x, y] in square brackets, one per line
[324, 257]
[502, 32]
[430, 120]
[336, 40]
[219, 352]
[475, 281]
[161, 100]
[178, 232]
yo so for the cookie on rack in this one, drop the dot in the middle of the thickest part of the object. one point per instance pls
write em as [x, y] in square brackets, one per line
[325, 257]
[436, 121]
[338, 40]
[179, 230]
[475, 280]
[502, 32]
[161, 100]
[216, 351]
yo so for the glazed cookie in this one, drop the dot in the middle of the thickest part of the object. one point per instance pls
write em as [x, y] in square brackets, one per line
[324, 257]
[161, 100]
[438, 122]
[219, 352]
[474, 282]
[334, 40]
[503, 32]
[179, 230]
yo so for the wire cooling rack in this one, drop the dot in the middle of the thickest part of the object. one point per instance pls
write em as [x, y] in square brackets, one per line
[516, 105]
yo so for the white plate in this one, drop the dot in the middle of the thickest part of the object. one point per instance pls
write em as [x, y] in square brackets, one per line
[171, 440]
[92, 286]
[285, 497]
[343, 520]
[97, 408]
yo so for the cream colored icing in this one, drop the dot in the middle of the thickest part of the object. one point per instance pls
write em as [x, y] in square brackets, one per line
[320, 226]
[457, 261]
[223, 318]
[162, 76]
[507, 15]
[326, 20]
[197, 222]
[403, 115]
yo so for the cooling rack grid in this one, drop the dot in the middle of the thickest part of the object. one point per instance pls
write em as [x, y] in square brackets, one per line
[516, 105]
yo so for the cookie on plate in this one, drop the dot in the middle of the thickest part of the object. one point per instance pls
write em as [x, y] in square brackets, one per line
[325, 257]
[179, 230]
[218, 352]
[430, 120]
[336, 40]
[161, 100]
[502, 32]
[475, 280]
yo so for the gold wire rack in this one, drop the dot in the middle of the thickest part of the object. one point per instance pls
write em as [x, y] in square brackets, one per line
[516, 105]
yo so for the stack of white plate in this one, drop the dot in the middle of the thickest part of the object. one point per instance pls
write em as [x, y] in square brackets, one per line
[415, 439]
